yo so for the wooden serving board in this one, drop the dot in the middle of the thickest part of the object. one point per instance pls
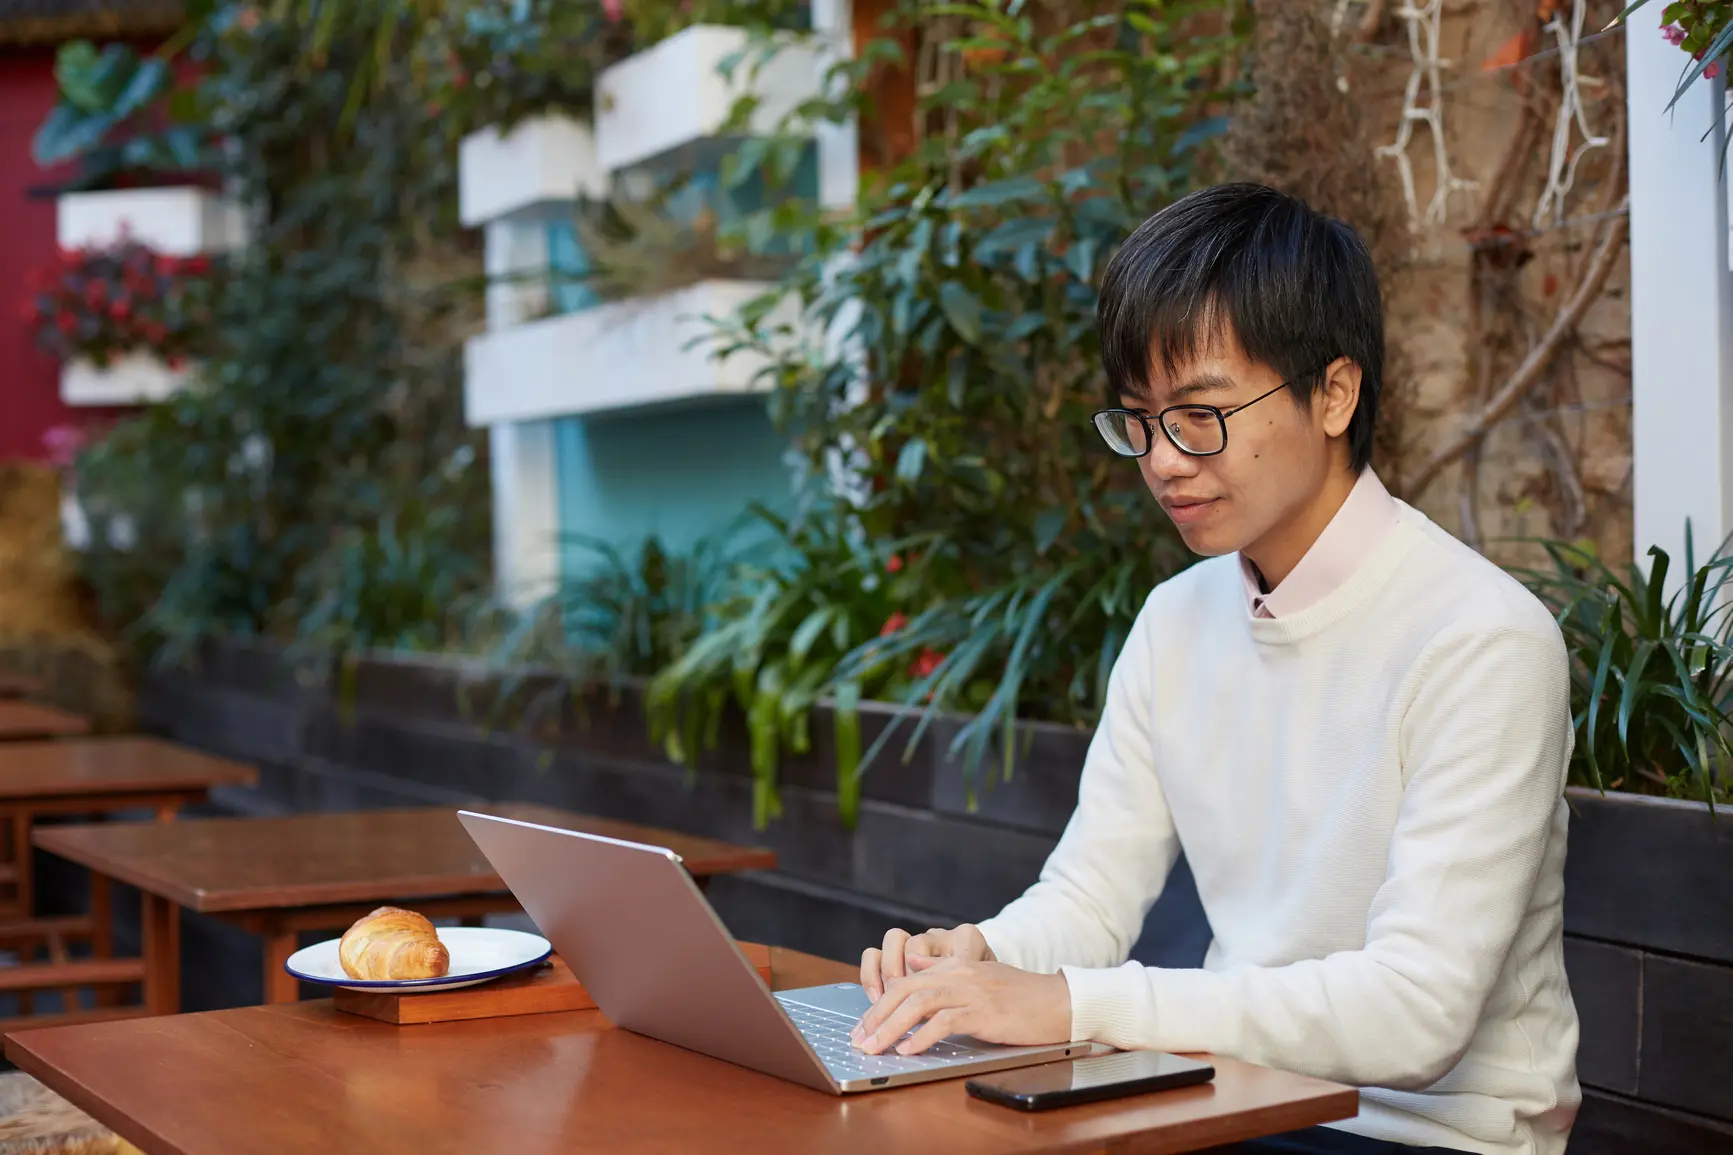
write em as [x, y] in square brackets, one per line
[544, 989]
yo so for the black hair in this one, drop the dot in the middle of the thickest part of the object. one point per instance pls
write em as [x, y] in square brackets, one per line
[1296, 288]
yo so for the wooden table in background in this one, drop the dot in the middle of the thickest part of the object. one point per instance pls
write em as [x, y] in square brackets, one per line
[277, 877]
[307, 1079]
[31, 721]
[20, 685]
[88, 776]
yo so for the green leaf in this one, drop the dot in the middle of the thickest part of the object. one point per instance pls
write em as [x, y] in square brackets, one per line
[911, 460]
[1047, 528]
[998, 193]
[962, 309]
[800, 645]
[846, 721]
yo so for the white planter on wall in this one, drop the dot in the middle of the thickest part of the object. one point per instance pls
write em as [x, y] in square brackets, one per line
[176, 221]
[541, 162]
[673, 93]
[624, 355]
[135, 379]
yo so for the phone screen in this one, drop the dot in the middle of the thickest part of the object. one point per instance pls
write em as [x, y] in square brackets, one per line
[1084, 1080]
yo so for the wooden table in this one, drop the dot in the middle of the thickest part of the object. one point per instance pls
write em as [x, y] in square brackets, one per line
[277, 877]
[307, 1079]
[30, 721]
[96, 776]
[20, 685]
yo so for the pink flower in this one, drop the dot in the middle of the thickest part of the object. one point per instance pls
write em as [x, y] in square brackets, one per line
[613, 11]
[63, 443]
[1713, 70]
[893, 623]
[1673, 34]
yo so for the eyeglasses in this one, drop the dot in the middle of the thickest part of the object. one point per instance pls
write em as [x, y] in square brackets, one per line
[1195, 430]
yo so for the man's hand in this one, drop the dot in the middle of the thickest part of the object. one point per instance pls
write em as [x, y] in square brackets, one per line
[881, 967]
[992, 1001]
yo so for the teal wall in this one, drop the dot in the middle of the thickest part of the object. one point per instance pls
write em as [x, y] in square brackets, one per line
[680, 474]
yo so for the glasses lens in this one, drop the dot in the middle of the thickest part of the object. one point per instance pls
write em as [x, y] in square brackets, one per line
[1195, 429]
[1123, 432]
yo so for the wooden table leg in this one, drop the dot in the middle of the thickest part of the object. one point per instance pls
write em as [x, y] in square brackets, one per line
[280, 985]
[162, 955]
[102, 932]
[24, 862]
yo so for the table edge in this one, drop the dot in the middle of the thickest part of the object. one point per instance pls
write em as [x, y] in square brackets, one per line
[1331, 1102]
[80, 1096]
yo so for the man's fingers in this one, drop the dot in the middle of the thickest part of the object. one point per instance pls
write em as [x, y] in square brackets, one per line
[885, 1006]
[945, 1023]
[892, 966]
[871, 973]
[915, 1004]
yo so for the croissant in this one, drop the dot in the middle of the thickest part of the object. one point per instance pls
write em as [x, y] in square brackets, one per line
[392, 944]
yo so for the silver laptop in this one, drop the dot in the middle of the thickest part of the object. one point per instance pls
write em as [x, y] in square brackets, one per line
[634, 927]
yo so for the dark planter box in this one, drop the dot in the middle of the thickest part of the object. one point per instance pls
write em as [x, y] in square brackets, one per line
[1649, 910]
[1649, 949]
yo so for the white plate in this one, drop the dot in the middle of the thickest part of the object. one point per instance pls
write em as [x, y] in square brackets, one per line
[478, 954]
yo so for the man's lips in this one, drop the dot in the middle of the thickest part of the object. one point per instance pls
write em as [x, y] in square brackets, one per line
[1184, 510]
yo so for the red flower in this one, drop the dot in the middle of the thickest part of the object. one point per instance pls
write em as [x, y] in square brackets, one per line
[121, 309]
[925, 663]
[95, 291]
[892, 624]
[175, 362]
[156, 334]
[895, 564]
[197, 266]
[66, 322]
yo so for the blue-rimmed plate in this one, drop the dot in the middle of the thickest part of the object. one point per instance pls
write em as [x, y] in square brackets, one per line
[478, 955]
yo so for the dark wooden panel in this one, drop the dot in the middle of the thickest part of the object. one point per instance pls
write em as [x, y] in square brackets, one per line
[1650, 873]
[1687, 1024]
[1607, 987]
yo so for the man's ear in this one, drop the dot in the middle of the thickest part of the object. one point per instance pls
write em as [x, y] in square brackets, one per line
[1340, 395]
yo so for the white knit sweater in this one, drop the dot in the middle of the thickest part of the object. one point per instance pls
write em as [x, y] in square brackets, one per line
[1369, 794]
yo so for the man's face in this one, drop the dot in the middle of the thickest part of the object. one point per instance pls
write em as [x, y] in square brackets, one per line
[1277, 457]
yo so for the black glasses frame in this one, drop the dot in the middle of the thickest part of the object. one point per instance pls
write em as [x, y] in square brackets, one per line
[1160, 419]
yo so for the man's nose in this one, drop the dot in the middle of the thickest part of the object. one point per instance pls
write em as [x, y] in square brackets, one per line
[1164, 463]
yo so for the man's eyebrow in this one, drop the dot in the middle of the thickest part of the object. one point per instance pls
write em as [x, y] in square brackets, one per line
[1203, 383]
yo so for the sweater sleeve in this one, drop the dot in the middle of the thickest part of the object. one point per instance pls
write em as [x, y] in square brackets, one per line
[1087, 908]
[1485, 745]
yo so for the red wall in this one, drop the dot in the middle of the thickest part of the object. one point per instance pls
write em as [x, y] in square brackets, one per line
[29, 379]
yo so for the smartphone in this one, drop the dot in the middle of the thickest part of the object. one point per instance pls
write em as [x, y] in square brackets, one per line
[1089, 1080]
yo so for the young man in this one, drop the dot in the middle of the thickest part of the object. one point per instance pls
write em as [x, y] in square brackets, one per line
[1354, 726]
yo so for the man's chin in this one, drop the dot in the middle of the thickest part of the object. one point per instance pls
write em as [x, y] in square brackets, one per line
[1207, 541]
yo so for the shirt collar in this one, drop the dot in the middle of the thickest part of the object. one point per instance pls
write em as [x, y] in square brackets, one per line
[1353, 533]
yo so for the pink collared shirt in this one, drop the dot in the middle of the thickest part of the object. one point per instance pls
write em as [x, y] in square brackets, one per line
[1365, 517]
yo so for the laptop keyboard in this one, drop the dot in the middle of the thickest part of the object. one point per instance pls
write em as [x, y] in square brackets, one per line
[828, 1032]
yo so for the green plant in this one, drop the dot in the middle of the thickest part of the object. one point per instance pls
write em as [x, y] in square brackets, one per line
[1651, 672]
[955, 362]
[628, 616]
[104, 303]
[484, 65]
[103, 118]
[1702, 28]
[771, 649]
[655, 20]
[321, 473]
